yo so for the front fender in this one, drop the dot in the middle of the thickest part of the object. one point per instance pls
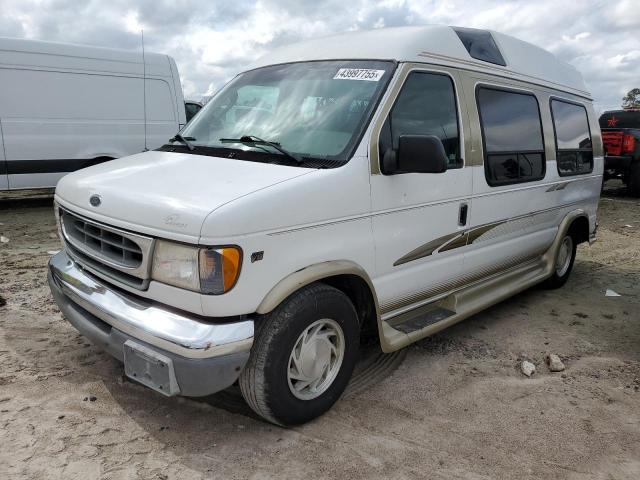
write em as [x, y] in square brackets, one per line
[313, 273]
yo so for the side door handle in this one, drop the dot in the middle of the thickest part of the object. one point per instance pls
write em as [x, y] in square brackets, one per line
[462, 214]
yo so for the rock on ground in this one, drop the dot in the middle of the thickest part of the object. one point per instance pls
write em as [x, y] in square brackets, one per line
[527, 368]
[554, 362]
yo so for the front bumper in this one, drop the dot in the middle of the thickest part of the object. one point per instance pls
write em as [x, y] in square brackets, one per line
[203, 357]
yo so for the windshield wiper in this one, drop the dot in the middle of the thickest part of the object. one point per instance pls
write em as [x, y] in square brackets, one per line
[185, 140]
[253, 140]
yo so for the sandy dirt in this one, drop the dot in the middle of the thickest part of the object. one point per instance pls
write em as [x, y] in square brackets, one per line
[454, 406]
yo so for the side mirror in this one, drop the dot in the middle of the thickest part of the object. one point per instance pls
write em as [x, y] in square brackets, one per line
[416, 154]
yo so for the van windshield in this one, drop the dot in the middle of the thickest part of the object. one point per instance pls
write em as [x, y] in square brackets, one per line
[310, 109]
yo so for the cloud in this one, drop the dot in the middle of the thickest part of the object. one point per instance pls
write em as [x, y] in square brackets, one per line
[214, 40]
[624, 13]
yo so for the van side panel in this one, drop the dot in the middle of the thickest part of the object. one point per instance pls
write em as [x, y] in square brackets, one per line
[70, 118]
[65, 107]
[4, 180]
[179, 98]
[162, 122]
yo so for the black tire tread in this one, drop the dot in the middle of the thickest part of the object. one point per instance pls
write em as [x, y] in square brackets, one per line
[252, 382]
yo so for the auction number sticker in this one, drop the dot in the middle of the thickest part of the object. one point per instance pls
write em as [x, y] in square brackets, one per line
[359, 74]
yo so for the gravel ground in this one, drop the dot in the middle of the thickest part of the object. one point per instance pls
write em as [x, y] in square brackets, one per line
[453, 406]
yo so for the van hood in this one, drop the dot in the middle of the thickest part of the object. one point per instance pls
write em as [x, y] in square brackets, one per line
[166, 193]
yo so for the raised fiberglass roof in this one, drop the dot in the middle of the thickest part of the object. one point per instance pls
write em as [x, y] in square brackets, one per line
[439, 44]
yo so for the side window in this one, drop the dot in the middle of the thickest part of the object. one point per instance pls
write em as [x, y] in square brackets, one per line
[480, 45]
[573, 141]
[425, 106]
[511, 135]
[191, 109]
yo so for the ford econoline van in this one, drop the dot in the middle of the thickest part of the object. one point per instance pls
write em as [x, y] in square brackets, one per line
[65, 107]
[395, 181]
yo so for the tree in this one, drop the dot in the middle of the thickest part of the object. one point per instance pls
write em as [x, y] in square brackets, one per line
[631, 99]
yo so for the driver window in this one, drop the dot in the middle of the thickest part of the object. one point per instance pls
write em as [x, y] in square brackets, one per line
[426, 105]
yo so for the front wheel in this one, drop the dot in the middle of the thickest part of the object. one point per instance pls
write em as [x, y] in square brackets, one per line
[565, 258]
[303, 356]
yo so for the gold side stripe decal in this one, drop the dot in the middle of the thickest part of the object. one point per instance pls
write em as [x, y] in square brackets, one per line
[467, 237]
[558, 186]
[447, 242]
[426, 249]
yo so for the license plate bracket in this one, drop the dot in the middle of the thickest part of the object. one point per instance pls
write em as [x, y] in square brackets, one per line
[150, 368]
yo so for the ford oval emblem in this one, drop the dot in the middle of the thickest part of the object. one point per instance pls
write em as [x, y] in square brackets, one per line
[95, 200]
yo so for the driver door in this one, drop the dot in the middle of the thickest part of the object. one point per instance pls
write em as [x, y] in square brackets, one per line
[418, 218]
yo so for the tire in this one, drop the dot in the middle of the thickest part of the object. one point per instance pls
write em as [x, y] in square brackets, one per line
[633, 179]
[564, 264]
[270, 377]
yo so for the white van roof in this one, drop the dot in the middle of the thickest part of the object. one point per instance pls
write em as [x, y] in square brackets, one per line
[436, 44]
[80, 57]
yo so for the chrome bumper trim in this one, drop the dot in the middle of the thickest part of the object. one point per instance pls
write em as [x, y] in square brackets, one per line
[157, 326]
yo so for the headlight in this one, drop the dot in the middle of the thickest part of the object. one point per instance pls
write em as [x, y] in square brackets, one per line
[207, 270]
[176, 265]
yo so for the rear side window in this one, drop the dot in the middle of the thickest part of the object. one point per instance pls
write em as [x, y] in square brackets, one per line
[425, 106]
[574, 153]
[511, 135]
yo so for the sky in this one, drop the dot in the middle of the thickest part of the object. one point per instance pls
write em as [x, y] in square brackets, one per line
[213, 40]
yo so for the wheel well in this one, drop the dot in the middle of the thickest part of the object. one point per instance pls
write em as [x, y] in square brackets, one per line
[104, 158]
[358, 291]
[579, 229]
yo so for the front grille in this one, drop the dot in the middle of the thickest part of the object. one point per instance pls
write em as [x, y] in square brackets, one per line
[109, 251]
[111, 245]
[104, 270]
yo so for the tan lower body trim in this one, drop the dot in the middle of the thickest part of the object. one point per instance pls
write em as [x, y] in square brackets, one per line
[468, 301]
[397, 306]
[477, 296]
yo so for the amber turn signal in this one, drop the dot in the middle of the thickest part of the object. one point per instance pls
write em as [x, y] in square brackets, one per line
[219, 269]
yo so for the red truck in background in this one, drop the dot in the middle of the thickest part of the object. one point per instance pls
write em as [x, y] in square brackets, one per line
[621, 139]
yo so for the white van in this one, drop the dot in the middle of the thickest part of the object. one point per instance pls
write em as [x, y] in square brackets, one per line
[65, 107]
[395, 181]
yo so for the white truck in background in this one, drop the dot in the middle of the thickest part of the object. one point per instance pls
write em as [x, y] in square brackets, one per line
[65, 107]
